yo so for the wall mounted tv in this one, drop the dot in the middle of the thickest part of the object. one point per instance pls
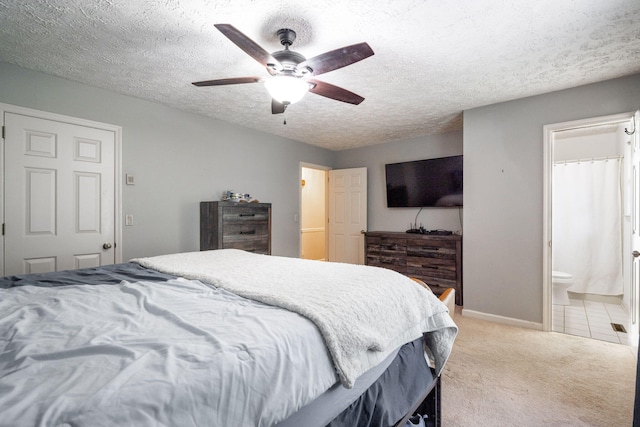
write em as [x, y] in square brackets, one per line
[425, 183]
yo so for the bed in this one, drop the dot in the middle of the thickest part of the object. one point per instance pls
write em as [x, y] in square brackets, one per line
[220, 338]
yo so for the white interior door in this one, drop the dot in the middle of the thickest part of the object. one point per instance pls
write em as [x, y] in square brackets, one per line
[347, 214]
[59, 195]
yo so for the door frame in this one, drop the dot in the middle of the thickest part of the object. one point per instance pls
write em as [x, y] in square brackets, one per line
[326, 204]
[547, 261]
[117, 130]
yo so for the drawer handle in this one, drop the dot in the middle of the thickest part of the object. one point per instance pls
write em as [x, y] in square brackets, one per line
[386, 261]
[248, 232]
[247, 214]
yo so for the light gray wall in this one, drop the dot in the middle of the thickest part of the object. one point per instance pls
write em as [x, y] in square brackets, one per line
[178, 159]
[381, 218]
[503, 191]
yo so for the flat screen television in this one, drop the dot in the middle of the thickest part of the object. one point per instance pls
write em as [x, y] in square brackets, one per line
[425, 183]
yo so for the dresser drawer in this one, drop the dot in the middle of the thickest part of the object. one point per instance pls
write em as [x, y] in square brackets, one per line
[387, 260]
[245, 229]
[392, 263]
[244, 214]
[435, 261]
[432, 249]
[259, 244]
[386, 246]
[432, 267]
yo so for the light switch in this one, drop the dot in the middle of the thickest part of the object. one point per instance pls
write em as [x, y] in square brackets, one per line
[130, 179]
[128, 219]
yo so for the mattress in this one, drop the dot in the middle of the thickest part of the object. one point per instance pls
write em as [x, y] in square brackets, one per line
[373, 400]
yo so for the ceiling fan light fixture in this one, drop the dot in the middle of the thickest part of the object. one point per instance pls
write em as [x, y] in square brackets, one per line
[292, 75]
[286, 89]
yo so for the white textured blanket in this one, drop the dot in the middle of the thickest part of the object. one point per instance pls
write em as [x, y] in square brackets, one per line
[362, 312]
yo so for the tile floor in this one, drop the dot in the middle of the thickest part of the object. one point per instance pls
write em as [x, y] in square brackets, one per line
[591, 319]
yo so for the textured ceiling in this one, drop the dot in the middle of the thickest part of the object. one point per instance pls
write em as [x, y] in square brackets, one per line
[433, 59]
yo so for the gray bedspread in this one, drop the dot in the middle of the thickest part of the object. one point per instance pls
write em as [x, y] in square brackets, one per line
[176, 353]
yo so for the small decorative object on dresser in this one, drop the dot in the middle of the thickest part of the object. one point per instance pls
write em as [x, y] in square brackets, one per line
[434, 259]
[233, 225]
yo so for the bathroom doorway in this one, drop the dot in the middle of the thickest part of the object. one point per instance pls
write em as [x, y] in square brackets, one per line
[313, 212]
[588, 221]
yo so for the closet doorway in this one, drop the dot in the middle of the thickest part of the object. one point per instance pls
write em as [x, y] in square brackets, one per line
[589, 175]
[313, 212]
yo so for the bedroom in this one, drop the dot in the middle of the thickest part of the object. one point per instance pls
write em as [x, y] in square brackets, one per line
[204, 156]
[180, 158]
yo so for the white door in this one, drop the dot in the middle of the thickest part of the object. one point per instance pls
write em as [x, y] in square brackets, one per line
[635, 236]
[347, 214]
[59, 195]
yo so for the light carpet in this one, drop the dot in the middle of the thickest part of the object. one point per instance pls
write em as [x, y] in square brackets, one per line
[501, 375]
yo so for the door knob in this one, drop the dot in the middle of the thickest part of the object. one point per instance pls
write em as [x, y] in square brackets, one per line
[635, 254]
[106, 246]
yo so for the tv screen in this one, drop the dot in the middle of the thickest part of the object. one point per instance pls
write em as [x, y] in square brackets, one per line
[425, 183]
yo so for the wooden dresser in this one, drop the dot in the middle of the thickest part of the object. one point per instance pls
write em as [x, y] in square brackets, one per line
[436, 260]
[235, 225]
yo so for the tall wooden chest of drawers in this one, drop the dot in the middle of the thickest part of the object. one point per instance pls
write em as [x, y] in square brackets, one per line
[235, 225]
[436, 260]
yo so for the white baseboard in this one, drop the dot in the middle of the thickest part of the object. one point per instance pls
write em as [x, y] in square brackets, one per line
[607, 299]
[510, 321]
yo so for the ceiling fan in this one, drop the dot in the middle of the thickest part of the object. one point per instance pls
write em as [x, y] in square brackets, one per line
[291, 72]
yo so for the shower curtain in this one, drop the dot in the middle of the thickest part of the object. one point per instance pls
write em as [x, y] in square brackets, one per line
[586, 221]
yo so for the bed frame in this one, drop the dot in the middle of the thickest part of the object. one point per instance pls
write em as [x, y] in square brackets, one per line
[429, 404]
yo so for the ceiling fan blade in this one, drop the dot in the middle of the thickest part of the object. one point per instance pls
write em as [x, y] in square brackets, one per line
[334, 92]
[276, 107]
[338, 58]
[249, 46]
[232, 81]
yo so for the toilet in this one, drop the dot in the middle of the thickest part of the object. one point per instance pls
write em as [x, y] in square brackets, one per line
[561, 281]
